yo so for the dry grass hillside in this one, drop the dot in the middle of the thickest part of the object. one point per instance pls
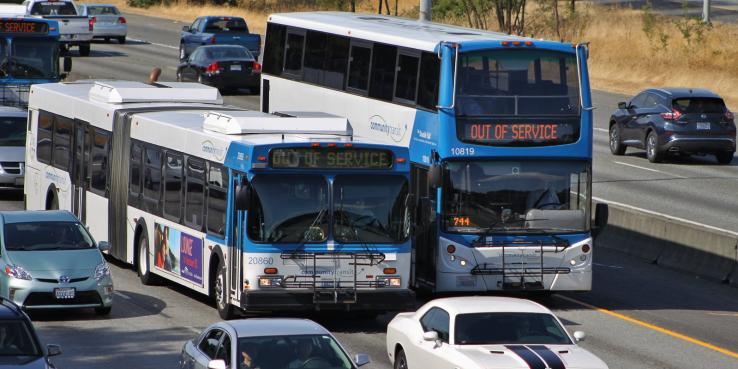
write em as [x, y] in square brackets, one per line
[630, 49]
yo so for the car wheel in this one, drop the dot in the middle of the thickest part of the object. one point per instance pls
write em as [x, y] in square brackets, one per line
[725, 157]
[616, 146]
[653, 151]
[144, 270]
[84, 49]
[182, 55]
[220, 294]
[122, 40]
[103, 310]
[400, 360]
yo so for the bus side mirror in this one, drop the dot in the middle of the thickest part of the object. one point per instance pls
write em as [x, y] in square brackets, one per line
[67, 64]
[602, 212]
[434, 176]
[243, 197]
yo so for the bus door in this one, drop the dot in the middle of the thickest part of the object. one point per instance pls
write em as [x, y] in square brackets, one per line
[80, 176]
[238, 225]
[425, 238]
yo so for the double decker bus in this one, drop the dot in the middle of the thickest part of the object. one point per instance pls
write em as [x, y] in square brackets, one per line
[499, 129]
[29, 51]
[262, 212]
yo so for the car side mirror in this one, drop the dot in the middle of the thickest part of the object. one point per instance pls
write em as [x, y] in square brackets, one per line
[602, 213]
[103, 246]
[362, 359]
[243, 196]
[622, 105]
[67, 67]
[53, 350]
[579, 336]
[434, 176]
[217, 364]
[186, 28]
[430, 336]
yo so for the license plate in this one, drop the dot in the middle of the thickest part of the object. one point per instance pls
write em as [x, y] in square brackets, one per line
[64, 293]
[236, 67]
[703, 125]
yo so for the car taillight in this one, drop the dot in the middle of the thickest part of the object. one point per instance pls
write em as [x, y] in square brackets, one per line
[212, 68]
[729, 115]
[256, 67]
[674, 115]
[91, 23]
[122, 20]
[212, 40]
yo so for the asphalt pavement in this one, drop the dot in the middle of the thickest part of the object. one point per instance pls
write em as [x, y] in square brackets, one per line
[638, 315]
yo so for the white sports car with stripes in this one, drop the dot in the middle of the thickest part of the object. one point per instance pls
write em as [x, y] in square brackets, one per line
[484, 333]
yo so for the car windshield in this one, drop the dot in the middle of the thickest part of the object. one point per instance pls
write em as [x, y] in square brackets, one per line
[30, 58]
[517, 83]
[288, 209]
[12, 131]
[43, 236]
[102, 10]
[318, 351]
[16, 339]
[226, 25]
[370, 209]
[516, 196]
[698, 105]
[54, 8]
[509, 328]
[225, 53]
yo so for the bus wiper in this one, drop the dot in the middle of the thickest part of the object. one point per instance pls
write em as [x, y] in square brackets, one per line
[543, 232]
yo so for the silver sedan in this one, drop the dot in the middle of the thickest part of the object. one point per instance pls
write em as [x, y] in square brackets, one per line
[277, 343]
[108, 22]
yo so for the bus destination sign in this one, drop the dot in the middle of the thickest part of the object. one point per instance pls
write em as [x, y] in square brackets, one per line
[330, 158]
[23, 26]
[519, 133]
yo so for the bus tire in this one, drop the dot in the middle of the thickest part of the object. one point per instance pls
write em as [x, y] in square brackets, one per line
[84, 49]
[219, 291]
[142, 262]
[52, 202]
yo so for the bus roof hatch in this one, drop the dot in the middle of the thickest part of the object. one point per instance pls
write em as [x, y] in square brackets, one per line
[119, 92]
[249, 121]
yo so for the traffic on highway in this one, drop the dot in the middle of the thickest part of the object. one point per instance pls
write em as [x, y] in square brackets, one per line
[353, 191]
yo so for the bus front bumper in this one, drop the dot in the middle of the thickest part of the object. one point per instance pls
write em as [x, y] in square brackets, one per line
[308, 300]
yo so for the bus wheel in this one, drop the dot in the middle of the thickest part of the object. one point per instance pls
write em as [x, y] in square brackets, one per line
[220, 294]
[52, 203]
[144, 272]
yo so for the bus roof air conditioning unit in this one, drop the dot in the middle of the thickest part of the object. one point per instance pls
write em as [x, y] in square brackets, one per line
[119, 92]
[249, 121]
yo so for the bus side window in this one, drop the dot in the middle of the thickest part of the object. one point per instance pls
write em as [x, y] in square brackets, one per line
[195, 193]
[44, 135]
[407, 78]
[293, 55]
[326, 57]
[217, 195]
[274, 49]
[99, 167]
[152, 181]
[173, 187]
[62, 142]
[358, 74]
[430, 70]
[134, 187]
[382, 80]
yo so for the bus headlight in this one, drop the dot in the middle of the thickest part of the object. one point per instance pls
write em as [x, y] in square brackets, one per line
[385, 281]
[269, 281]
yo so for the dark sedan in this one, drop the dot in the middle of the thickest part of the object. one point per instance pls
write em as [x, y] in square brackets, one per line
[675, 121]
[227, 67]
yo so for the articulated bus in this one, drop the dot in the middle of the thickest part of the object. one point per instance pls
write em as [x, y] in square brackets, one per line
[29, 49]
[261, 211]
[499, 129]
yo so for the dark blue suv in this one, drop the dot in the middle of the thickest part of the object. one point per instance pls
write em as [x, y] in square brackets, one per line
[19, 344]
[680, 121]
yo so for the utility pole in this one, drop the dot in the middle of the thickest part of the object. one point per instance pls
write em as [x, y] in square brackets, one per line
[706, 11]
[425, 10]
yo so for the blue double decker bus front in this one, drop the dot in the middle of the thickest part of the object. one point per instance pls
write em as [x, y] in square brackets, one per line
[513, 169]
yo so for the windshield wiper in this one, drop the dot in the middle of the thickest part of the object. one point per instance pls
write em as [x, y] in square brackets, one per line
[544, 232]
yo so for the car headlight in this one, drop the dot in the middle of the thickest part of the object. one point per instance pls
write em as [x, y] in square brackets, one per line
[17, 271]
[102, 270]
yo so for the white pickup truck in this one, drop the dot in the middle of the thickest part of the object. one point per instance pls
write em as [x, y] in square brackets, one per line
[74, 29]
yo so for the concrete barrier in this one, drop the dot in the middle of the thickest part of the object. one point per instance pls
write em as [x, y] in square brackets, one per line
[676, 244]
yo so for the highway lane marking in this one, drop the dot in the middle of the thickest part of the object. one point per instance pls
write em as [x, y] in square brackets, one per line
[649, 169]
[724, 314]
[622, 205]
[652, 327]
[154, 43]
[121, 295]
[608, 266]
[601, 129]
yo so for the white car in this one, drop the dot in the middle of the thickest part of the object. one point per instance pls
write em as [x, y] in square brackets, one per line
[484, 333]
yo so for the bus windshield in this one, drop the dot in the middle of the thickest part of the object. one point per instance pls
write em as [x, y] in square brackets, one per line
[517, 83]
[370, 209]
[12, 131]
[29, 58]
[516, 197]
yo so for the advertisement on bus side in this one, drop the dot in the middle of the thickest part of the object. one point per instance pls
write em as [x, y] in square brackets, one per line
[178, 252]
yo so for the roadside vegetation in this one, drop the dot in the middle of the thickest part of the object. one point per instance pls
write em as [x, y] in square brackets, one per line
[630, 49]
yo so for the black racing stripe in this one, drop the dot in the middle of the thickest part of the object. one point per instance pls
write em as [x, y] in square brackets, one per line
[533, 361]
[553, 360]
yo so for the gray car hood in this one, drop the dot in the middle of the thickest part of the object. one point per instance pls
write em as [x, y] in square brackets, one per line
[55, 263]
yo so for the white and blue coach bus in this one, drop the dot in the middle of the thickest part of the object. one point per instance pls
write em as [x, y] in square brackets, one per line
[499, 129]
[262, 212]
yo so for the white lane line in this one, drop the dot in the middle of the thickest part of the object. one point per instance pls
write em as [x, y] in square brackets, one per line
[154, 43]
[601, 130]
[620, 204]
[608, 266]
[121, 295]
[649, 169]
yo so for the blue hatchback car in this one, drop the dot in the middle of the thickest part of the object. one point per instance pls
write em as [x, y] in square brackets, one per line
[51, 261]
[19, 344]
